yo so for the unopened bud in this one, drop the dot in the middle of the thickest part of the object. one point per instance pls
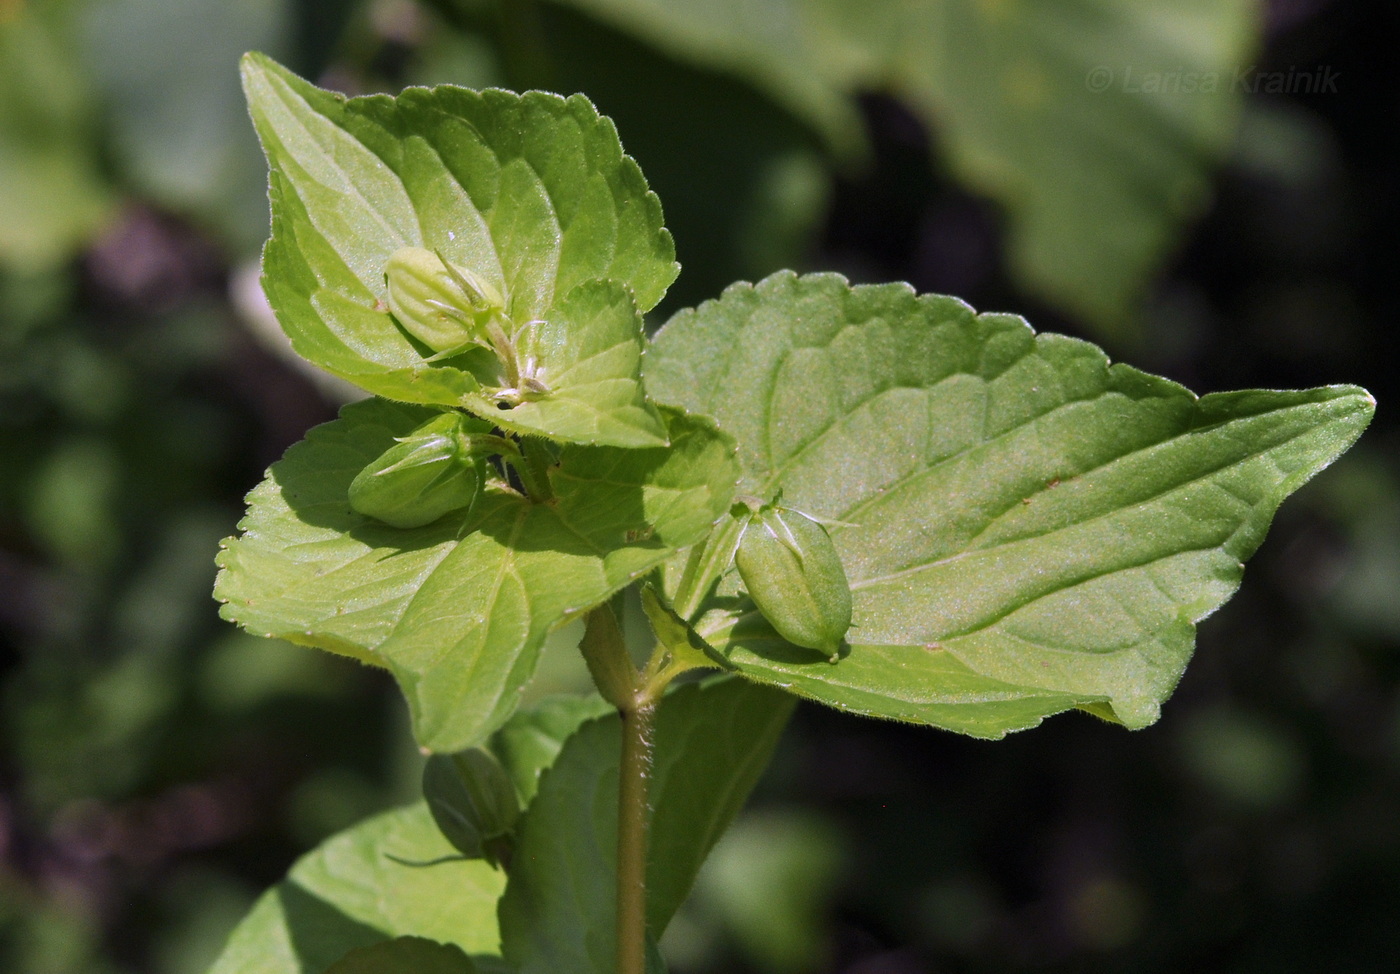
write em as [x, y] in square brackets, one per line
[443, 305]
[794, 576]
[424, 475]
[474, 803]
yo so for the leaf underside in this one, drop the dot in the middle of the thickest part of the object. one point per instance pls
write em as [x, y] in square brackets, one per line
[1026, 527]
[713, 740]
[349, 893]
[365, 887]
[457, 610]
[532, 193]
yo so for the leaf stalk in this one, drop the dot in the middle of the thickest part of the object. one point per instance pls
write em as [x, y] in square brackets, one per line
[532, 461]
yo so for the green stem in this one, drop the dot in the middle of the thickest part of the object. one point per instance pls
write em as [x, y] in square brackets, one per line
[655, 681]
[633, 813]
[606, 655]
[636, 697]
[532, 463]
[504, 347]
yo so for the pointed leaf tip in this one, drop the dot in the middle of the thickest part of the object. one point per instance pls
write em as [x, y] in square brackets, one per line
[1028, 528]
[530, 196]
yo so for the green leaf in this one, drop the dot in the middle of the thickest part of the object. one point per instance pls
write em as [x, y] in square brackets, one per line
[673, 632]
[1026, 528]
[359, 889]
[713, 740]
[457, 610]
[1094, 124]
[351, 893]
[404, 955]
[704, 136]
[592, 347]
[531, 193]
[534, 736]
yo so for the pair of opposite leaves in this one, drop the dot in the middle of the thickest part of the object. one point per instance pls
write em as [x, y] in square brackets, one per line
[994, 610]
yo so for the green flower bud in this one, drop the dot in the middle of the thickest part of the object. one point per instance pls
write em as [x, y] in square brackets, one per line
[443, 305]
[794, 575]
[473, 802]
[424, 475]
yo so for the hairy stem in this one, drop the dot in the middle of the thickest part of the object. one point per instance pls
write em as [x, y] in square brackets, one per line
[636, 697]
[532, 465]
[504, 347]
[633, 814]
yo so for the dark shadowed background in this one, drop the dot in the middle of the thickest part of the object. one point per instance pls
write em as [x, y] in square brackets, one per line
[1208, 188]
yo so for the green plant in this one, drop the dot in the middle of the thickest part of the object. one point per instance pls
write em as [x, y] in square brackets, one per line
[1021, 527]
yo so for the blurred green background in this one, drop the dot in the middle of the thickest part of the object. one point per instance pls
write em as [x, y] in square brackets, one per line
[1209, 188]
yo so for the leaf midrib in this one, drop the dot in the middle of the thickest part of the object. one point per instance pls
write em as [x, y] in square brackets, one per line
[284, 94]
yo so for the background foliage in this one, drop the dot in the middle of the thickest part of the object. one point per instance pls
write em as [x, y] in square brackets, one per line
[160, 768]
